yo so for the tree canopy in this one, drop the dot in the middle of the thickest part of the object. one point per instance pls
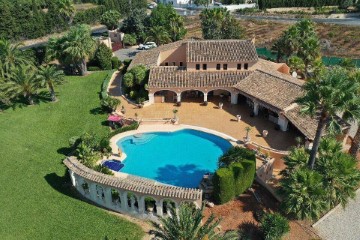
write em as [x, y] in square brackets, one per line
[111, 19]
[218, 23]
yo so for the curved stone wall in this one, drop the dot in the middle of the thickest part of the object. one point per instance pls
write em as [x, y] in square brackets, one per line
[129, 194]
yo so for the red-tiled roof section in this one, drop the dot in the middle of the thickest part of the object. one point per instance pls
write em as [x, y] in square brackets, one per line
[272, 90]
[170, 77]
[221, 51]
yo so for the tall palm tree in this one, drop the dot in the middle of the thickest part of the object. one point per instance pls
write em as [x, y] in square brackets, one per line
[186, 225]
[303, 194]
[326, 96]
[159, 35]
[73, 48]
[11, 56]
[23, 82]
[50, 76]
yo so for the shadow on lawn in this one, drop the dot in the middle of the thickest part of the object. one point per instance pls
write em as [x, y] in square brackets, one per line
[61, 184]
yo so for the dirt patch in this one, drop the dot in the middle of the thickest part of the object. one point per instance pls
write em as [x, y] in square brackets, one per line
[241, 214]
[345, 40]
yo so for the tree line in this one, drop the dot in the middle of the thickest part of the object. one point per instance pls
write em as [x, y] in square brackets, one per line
[22, 20]
[263, 4]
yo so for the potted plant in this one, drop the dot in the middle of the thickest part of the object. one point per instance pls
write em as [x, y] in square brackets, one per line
[247, 138]
[205, 103]
[265, 133]
[175, 119]
[221, 105]
[136, 116]
[178, 104]
[238, 118]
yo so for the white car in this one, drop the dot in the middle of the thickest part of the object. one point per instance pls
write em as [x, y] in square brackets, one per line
[147, 45]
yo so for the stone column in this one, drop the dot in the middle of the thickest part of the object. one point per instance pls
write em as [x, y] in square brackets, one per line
[72, 176]
[132, 201]
[205, 97]
[256, 108]
[92, 189]
[107, 197]
[283, 122]
[178, 97]
[159, 208]
[234, 98]
[151, 98]
[124, 201]
[141, 203]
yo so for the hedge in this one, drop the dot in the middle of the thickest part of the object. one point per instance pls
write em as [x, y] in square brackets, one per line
[224, 189]
[244, 174]
[105, 85]
[130, 127]
[249, 172]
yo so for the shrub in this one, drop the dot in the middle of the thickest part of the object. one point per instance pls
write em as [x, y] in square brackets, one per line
[133, 126]
[110, 104]
[129, 40]
[93, 68]
[238, 172]
[236, 154]
[105, 85]
[127, 62]
[223, 181]
[116, 63]
[128, 80]
[103, 57]
[274, 226]
[103, 169]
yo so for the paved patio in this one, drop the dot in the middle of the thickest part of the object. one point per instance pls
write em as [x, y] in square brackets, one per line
[222, 120]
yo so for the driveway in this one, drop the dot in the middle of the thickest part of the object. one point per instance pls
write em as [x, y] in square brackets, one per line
[341, 223]
[127, 53]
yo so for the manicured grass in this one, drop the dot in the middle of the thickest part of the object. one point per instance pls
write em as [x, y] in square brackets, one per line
[35, 199]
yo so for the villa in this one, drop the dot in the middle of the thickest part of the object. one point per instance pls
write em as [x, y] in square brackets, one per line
[231, 70]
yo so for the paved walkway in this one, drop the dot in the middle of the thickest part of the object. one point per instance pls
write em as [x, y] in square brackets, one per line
[342, 223]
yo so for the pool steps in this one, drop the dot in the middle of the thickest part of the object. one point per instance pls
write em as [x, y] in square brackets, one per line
[140, 139]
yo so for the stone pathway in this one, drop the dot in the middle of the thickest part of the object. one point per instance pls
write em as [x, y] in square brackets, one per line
[341, 223]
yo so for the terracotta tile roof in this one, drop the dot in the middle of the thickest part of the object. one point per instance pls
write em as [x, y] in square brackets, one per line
[307, 124]
[269, 89]
[133, 183]
[150, 57]
[171, 77]
[221, 51]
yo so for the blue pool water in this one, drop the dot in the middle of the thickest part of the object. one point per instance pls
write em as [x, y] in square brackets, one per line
[178, 158]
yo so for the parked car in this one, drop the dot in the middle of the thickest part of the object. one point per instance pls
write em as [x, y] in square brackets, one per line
[147, 45]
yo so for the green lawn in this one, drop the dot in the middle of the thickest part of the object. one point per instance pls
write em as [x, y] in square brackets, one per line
[35, 200]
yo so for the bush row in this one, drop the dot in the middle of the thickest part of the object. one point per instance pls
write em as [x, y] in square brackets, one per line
[233, 180]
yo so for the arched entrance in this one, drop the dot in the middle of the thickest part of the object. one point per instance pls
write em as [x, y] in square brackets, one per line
[165, 96]
[219, 95]
[192, 96]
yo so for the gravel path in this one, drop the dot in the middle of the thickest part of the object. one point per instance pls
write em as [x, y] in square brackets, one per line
[342, 224]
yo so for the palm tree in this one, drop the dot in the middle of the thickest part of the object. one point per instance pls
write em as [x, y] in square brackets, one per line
[354, 149]
[339, 170]
[329, 94]
[297, 158]
[159, 35]
[303, 194]
[11, 56]
[23, 81]
[186, 225]
[177, 29]
[66, 9]
[73, 48]
[50, 76]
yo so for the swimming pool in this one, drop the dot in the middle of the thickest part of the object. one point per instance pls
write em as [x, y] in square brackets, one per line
[178, 158]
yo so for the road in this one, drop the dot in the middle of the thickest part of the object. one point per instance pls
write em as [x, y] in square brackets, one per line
[345, 21]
